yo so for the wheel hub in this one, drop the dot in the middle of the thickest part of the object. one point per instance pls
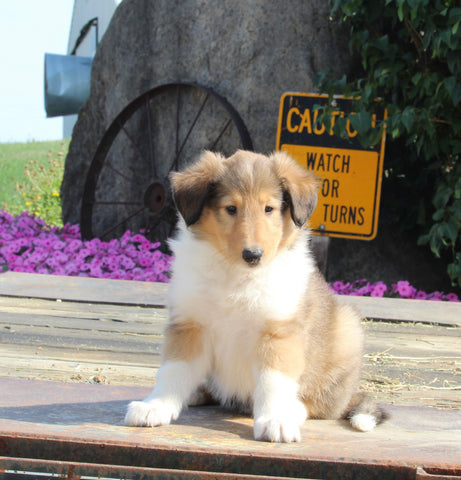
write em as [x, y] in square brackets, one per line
[155, 197]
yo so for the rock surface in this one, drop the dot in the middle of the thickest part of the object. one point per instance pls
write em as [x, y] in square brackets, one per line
[248, 52]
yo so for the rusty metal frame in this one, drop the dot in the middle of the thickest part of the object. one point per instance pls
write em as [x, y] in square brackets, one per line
[25, 457]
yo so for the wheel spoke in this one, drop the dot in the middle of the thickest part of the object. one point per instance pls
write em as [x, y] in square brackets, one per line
[226, 126]
[154, 223]
[172, 228]
[118, 172]
[151, 140]
[177, 121]
[110, 230]
[130, 138]
[108, 202]
[174, 165]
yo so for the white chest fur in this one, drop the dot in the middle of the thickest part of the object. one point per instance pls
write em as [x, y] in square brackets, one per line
[233, 303]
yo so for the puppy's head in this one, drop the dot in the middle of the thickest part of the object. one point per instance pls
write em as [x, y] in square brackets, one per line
[248, 206]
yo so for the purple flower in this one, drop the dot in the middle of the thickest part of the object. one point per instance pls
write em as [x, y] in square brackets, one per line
[58, 245]
[404, 289]
[378, 289]
[138, 238]
[47, 242]
[452, 297]
[338, 286]
[73, 245]
[10, 258]
[363, 291]
[70, 269]
[342, 288]
[95, 271]
[52, 262]
[93, 244]
[127, 262]
[61, 257]
[435, 296]
[145, 260]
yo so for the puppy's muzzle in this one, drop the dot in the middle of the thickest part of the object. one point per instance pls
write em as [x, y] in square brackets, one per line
[252, 255]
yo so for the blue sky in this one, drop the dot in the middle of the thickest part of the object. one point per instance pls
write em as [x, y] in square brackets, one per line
[28, 29]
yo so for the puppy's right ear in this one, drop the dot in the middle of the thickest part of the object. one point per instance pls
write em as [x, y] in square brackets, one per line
[192, 187]
[299, 187]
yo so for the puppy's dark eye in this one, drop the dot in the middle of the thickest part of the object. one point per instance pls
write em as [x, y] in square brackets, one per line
[268, 209]
[231, 210]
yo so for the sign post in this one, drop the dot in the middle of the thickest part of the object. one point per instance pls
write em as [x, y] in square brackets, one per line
[350, 175]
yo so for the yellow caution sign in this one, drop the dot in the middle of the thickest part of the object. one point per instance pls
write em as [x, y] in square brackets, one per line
[350, 175]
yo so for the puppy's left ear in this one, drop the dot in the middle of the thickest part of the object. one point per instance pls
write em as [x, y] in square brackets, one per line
[299, 187]
[192, 187]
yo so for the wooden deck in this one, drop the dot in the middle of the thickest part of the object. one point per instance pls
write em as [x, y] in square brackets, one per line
[70, 329]
[74, 351]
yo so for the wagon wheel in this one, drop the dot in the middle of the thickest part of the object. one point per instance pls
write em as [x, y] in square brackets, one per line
[163, 130]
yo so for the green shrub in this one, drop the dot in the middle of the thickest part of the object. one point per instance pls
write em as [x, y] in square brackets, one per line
[40, 190]
[410, 54]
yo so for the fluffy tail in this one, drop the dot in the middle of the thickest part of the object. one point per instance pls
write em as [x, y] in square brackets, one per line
[364, 414]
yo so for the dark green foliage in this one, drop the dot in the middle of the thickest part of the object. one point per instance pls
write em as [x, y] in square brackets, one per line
[410, 54]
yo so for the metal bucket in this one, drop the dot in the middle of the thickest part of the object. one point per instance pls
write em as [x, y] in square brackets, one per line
[67, 83]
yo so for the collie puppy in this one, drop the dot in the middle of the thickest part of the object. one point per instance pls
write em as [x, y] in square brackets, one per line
[252, 324]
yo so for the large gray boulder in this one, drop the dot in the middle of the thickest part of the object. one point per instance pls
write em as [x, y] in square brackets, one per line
[248, 52]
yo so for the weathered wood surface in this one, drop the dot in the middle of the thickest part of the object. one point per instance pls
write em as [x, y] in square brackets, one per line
[421, 311]
[100, 331]
[80, 289]
[123, 292]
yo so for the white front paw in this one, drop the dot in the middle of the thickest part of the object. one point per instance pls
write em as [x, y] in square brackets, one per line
[151, 414]
[281, 424]
[276, 430]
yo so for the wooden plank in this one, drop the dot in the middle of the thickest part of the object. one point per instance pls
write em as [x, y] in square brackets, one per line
[104, 358]
[78, 339]
[413, 364]
[79, 309]
[149, 294]
[411, 339]
[82, 316]
[427, 311]
[78, 366]
[83, 289]
[11, 321]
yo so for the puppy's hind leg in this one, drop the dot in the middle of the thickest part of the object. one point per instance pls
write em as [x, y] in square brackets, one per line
[201, 396]
[184, 368]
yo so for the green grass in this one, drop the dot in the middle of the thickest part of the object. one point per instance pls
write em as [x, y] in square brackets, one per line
[14, 158]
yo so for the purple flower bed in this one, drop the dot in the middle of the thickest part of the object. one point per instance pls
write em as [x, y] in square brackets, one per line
[28, 244]
[401, 289]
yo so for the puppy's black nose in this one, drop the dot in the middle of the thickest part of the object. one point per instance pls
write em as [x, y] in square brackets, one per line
[252, 255]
